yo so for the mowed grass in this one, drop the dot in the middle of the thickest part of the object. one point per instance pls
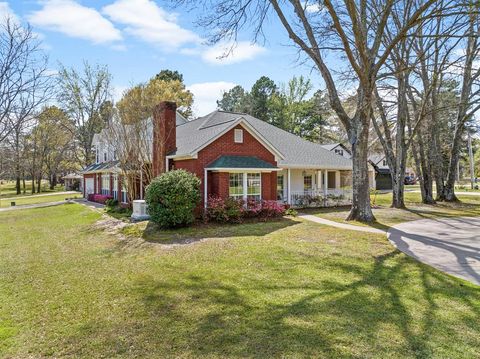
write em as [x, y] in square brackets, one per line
[387, 217]
[37, 199]
[7, 189]
[280, 289]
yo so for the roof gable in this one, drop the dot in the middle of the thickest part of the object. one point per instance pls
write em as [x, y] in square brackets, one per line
[295, 151]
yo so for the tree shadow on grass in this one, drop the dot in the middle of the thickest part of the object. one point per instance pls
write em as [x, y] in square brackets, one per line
[330, 318]
[200, 231]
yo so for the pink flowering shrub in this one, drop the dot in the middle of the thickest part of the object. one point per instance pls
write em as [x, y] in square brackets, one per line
[230, 210]
[224, 210]
[99, 198]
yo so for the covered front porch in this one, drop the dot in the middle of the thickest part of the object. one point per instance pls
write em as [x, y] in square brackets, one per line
[301, 187]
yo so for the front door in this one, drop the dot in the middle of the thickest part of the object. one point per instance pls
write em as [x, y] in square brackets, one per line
[331, 180]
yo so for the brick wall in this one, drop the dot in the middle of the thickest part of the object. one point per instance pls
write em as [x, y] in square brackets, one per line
[226, 146]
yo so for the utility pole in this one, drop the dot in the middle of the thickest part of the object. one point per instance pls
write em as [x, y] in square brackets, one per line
[470, 154]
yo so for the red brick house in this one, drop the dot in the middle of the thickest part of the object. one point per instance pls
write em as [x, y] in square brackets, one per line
[233, 154]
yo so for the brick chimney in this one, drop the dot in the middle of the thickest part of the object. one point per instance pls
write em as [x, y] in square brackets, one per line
[164, 135]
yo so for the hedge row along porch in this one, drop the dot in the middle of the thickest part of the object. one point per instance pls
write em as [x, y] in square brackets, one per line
[234, 154]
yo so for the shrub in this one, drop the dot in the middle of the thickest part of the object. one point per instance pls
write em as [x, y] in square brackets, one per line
[99, 198]
[111, 202]
[230, 210]
[291, 212]
[172, 198]
[271, 209]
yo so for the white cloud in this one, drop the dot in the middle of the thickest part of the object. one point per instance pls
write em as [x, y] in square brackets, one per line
[7, 12]
[75, 20]
[206, 95]
[149, 22]
[313, 6]
[226, 54]
[118, 91]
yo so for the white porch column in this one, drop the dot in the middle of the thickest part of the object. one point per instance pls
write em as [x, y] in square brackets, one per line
[319, 180]
[337, 179]
[325, 183]
[205, 187]
[289, 186]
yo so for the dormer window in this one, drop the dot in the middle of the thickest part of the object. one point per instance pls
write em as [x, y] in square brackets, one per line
[338, 152]
[238, 135]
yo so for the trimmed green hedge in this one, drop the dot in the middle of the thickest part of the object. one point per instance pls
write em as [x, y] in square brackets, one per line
[172, 198]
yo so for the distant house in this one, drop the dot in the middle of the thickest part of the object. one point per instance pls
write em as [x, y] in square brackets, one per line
[234, 155]
[382, 179]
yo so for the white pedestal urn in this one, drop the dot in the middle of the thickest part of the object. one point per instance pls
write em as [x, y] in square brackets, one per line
[140, 210]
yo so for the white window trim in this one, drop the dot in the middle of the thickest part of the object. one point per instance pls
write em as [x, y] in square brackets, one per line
[238, 135]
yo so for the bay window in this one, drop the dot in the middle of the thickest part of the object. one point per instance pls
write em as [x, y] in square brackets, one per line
[246, 186]
[235, 188]
[254, 184]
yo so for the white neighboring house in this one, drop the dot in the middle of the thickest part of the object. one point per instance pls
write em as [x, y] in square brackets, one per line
[342, 150]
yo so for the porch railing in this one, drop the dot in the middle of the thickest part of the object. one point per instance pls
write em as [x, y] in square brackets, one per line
[318, 198]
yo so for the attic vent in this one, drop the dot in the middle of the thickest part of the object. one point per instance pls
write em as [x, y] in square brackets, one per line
[238, 136]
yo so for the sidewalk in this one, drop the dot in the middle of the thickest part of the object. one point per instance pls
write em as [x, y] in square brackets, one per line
[351, 227]
[39, 195]
[34, 205]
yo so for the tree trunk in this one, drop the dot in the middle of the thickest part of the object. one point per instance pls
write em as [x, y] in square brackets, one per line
[361, 209]
[426, 173]
[23, 182]
[39, 183]
[398, 189]
[53, 181]
[398, 170]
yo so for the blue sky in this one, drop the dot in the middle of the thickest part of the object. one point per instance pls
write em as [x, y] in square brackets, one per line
[138, 38]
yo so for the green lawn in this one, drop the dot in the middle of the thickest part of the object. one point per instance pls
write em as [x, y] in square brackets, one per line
[281, 289]
[387, 217]
[38, 199]
[7, 189]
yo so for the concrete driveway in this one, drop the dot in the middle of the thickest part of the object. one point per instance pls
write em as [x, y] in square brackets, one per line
[450, 245]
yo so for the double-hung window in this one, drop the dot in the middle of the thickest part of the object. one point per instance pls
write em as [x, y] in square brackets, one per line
[235, 188]
[254, 186]
[307, 183]
[106, 184]
[124, 191]
[246, 186]
[280, 188]
[115, 187]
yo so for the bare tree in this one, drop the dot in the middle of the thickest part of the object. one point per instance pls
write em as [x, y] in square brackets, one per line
[351, 29]
[469, 101]
[412, 82]
[23, 69]
[131, 143]
[84, 95]
[24, 86]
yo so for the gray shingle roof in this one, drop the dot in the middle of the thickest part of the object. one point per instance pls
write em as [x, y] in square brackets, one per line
[296, 151]
[102, 167]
